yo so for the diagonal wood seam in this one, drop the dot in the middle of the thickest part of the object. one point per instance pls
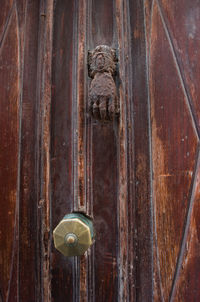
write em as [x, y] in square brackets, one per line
[15, 234]
[195, 127]
[184, 86]
[6, 26]
[186, 224]
[148, 59]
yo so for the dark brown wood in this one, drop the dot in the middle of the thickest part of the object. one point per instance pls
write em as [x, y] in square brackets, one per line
[182, 21]
[102, 22]
[186, 287]
[27, 285]
[171, 41]
[137, 176]
[104, 211]
[44, 90]
[9, 152]
[61, 141]
[143, 237]
[104, 180]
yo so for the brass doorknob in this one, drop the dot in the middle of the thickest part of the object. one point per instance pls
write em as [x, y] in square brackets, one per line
[73, 235]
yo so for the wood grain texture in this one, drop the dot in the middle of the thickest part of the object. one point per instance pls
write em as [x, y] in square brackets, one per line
[104, 179]
[28, 166]
[44, 89]
[18, 117]
[122, 144]
[174, 143]
[143, 228]
[183, 19]
[62, 141]
[105, 212]
[9, 152]
[138, 177]
[173, 159]
[7, 8]
[79, 132]
[187, 280]
[102, 30]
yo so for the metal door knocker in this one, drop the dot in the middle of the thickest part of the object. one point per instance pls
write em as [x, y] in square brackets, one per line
[103, 99]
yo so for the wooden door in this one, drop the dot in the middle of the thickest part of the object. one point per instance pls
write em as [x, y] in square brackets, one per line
[136, 176]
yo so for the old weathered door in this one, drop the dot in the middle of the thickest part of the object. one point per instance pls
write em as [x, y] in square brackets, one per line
[137, 175]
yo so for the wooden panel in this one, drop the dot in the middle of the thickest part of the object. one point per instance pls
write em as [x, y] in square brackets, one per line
[28, 204]
[105, 214]
[9, 152]
[43, 180]
[103, 169]
[61, 141]
[19, 157]
[104, 179]
[143, 236]
[187, 282]
[183, 21]
[174, 152]
[102, 13]
[5, 14]
[147, 21]
[104, 155]
[21, 19]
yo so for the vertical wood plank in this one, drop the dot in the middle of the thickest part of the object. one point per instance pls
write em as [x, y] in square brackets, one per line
[142, 156]
[62, 175]
[9, 153]
[104, 173]
[44, 133]
[123, 221]
[79, 120]
[28, 194]
[102, 30]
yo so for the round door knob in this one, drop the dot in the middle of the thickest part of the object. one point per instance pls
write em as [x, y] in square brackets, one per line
[73, 235]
